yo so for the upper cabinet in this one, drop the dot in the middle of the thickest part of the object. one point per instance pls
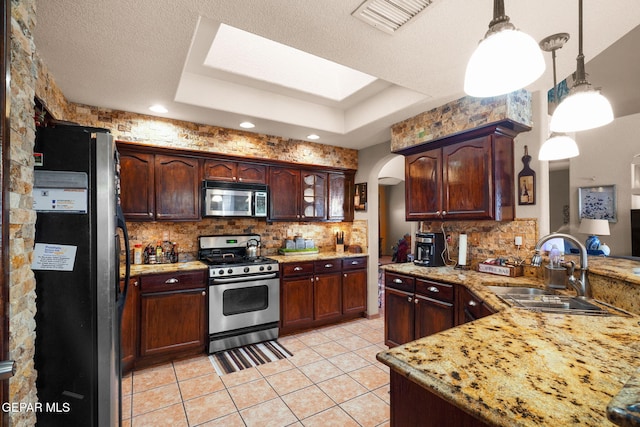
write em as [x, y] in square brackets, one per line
[469, 177]
[165, 185]
[310, 195]
[231, 171]
[159, 187]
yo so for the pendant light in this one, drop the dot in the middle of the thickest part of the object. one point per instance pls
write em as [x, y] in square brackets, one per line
[559, 145]
[505, 60]
[584, 108]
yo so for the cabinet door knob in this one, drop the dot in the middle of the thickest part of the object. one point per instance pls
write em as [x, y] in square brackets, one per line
[437, 213]
[444, 213]
[204, 293]
[433, 289]
[472, 303]
[345, 274]
[397, 281]
[416, 300]
[171, 281]
[409, 299]
[135, 283]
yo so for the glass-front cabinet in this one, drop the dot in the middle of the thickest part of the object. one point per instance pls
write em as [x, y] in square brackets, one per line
[314, 195]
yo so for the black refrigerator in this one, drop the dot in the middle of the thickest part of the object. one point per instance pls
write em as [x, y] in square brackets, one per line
[76, 263]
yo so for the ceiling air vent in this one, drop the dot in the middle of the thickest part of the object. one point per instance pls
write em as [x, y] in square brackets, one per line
[389, 15]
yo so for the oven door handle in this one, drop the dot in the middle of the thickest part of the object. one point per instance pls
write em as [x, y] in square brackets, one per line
[220, 280]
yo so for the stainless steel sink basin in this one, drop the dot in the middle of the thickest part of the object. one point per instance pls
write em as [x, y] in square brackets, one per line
[518, 290]
[546, 301]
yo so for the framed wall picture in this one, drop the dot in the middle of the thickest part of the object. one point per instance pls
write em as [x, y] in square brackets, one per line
[360, 197]
[598, 202]
[526, 181]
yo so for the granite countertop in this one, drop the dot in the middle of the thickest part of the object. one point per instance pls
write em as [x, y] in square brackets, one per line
[142, 269]
[314, 257]
[518, 367]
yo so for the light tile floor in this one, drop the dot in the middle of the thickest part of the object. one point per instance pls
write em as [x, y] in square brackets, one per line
[333, 379]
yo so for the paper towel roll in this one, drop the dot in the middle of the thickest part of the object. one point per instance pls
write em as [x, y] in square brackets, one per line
[462, 250]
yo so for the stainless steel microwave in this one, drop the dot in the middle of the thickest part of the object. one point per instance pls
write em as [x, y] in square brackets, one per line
[234, 199]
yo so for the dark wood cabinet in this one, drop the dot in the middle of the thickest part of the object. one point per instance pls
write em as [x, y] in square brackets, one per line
[159, 187]
[137, 191]
[415, 308]
[231, 171]
[130, 332]
[296, 295]
[177, 188]
[354, 285]
[313, 199]
[469, 177]
[470, 307]
[173, 316]
[340, 197]
[314, 293]
[414, 405]
[284, 193]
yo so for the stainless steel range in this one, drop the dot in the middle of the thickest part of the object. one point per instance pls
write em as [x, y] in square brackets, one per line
[244, 291]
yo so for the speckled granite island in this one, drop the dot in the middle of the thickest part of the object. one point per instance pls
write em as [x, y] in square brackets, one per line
[517, 367]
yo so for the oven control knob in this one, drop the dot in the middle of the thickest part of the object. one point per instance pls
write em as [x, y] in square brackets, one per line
[269, 267]
[262, 268]
[221, 271]
[246, 269]
[230, 271]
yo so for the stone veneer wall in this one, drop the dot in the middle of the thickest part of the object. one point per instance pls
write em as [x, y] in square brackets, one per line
[488, 239]
[22, 218]
[460, 115]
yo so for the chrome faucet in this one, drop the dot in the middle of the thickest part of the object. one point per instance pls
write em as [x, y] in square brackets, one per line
[582, 287]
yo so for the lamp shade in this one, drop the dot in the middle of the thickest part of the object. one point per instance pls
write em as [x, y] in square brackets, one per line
[581, 110]
[594, 227]
[557, 147]
[504, 61]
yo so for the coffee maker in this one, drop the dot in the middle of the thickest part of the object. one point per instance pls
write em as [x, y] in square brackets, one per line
[429, 249]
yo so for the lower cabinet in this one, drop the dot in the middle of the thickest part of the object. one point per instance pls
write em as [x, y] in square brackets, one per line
[415, 308]
[165, 317]
[130, 331]
[470, 307]
[315, 293]
[413, 405]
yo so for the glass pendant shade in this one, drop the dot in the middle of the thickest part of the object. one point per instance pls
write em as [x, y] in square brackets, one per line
[504, 61]
[581, 110]
[558, 147]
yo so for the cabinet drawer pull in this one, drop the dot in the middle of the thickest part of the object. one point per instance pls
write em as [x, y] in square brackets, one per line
[297, 269]
[409, 299]
[472, 303]
[171, 281]
[328, 265]
[433, 289]
[398, 281]
[354, 263]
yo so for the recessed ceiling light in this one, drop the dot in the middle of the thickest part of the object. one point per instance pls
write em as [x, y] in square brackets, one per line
[158, 109]
[313, 136]
[247, 125]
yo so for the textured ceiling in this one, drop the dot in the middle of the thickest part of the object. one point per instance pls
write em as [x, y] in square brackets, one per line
[128, 55]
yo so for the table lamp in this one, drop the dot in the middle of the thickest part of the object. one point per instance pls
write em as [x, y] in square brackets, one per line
[594, 228]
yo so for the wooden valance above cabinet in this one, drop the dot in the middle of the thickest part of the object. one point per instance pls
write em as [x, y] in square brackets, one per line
[467, 176]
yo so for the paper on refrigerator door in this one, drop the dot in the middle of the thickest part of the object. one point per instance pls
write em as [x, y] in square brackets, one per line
[52, 257]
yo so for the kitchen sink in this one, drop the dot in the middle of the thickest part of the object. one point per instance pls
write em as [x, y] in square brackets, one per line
[546, 301]
[518, 290]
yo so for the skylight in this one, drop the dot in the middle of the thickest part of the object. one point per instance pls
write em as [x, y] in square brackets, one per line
[239, 52]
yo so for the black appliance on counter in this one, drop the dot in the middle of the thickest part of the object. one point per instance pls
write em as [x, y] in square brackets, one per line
[430, 249]
[244, 291]
[76, 265]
